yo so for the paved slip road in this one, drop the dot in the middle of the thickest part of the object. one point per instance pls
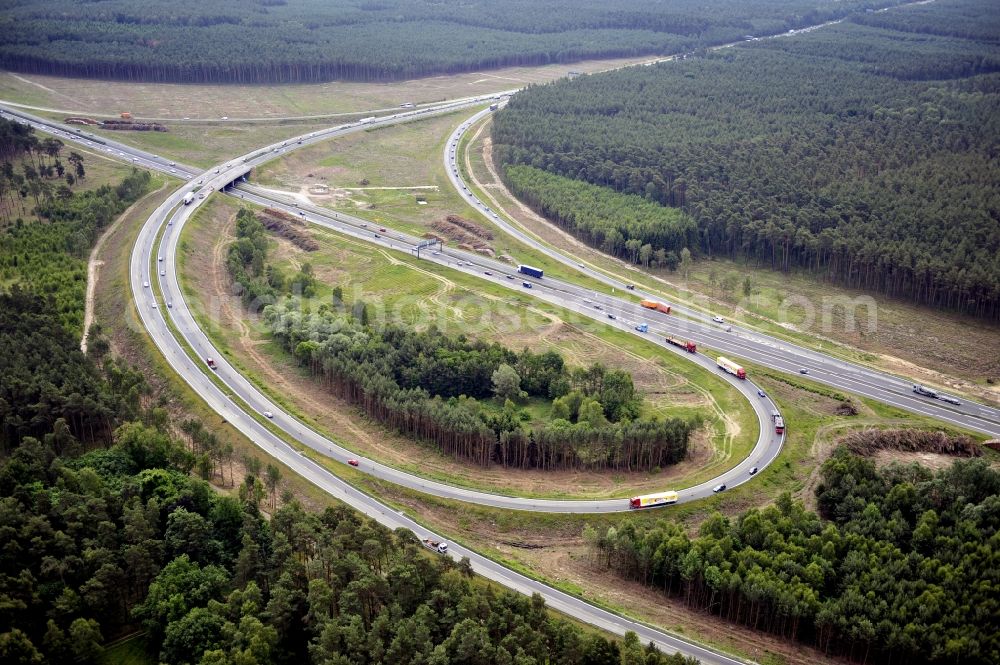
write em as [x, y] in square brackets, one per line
[148, 269]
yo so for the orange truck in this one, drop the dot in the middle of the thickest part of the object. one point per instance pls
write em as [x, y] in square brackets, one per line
[658, 306]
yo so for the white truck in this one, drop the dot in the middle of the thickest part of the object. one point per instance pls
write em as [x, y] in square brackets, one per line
[438, 546]
[653, 500]
[728, 365]
[188, 198]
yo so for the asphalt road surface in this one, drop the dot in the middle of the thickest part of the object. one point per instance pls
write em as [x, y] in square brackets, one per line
[743, 343]
[231, 395]
[153, 264]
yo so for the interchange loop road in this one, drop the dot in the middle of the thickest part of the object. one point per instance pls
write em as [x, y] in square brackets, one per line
[161, 231]
[153, 264]
[160, 251]
[233, 396]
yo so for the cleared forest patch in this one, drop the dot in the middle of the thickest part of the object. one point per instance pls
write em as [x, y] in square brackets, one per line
[871, 441]
[173, 101]
[291, 229]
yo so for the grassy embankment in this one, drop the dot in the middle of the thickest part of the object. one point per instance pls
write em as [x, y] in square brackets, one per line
[257, 115]
[372, 174]
[128, 651]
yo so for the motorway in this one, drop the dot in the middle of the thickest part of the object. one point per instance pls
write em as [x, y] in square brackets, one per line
[145, 259]
[745, 343]
[160, 233]
[166, 223]
[153, 260]
[170, 217]
[736, 342]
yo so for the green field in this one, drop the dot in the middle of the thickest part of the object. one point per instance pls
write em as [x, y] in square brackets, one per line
[207, 145]
[172, 102]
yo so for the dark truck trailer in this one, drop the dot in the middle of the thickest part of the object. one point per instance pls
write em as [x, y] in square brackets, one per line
[530, 271]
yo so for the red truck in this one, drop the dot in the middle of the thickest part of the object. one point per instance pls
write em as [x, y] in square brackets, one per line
[211, 363]
[658, 306]
[690, 347]
[779, 422]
